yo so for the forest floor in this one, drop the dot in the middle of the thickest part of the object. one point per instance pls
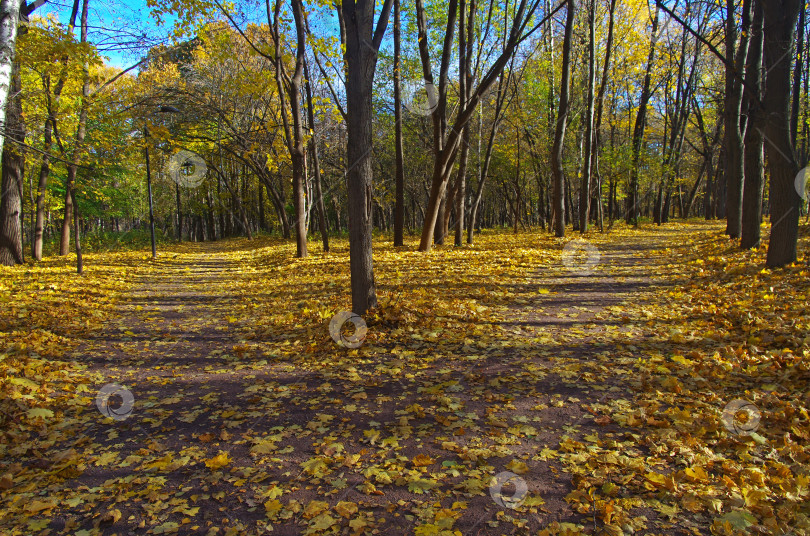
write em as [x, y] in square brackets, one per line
[526, 385]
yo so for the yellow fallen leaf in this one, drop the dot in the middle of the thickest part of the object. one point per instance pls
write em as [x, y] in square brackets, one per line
[517, 467]
[219, 461]
[272, 507]
[346, 508]
[34, 507]
[314, 508]
[112, 516]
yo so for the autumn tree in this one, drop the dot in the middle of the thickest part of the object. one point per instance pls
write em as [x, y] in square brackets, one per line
[633, 200]
[362, 41]
[754, 140]
[448, 135]
[11, 249]
[780, 17]
[562, 122]
[736, 55]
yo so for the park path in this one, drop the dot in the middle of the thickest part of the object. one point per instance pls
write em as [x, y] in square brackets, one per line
[581, 321]
[198, 393]
[175, 348]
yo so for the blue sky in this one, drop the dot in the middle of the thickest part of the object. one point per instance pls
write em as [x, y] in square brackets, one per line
[115, 21]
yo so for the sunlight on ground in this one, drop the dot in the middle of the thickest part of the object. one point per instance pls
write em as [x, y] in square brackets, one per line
[646, 380]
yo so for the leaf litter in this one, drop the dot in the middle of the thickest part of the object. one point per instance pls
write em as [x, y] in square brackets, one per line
[603, 391]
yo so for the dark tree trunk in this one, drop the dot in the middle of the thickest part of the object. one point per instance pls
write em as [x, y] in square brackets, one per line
[733, 140]
[797, 79]
[73, 166]
[11, 251]
[754, 142]
[780, 33]
[362, 42]
[399, 202]
[316, 164]
[562, 120]
[297, 151]
[600, 103]
[465, 26]
[585, 187]
[179, 213]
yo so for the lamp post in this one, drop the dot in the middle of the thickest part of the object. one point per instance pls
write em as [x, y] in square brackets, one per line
[162, 109]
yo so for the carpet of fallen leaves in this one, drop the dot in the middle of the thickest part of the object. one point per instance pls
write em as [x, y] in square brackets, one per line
[603, 388]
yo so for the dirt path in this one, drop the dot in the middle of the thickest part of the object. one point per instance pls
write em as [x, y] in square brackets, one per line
[224, 437]
[574, 315]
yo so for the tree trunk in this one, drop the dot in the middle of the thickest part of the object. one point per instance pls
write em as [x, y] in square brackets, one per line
[289, 91]
[640, 125]
[81, 130]
[11, 251]
[462, 184]
[399, 203]
[297, 151]
[797, 79]
[9, 19]
[600, 103]
[465, 27]
[179, 213]
[585, 188]
[445, 148]
[484, 168]
[754, 142]
[50, 125]
[780, 32]
[361, 46]
[733, 140]
[562, 120]
[77, 235]
[316, 164]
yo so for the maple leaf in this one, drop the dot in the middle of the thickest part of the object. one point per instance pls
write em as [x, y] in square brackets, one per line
[346, 509]
[219, 461]
[421, 485]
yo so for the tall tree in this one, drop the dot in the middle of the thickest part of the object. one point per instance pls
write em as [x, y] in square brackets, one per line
[754, 141]
[501, 104]
[585, 187]
[47, 136]
[362, 42]
[640, 126]
[81, 132]
[291, 106]
[780, 35]
[600, 103]
[465, 79]
[11, 251]
[562, 122]
[399, 201]
[733, 140]
[447, 138]
[316, 163]
[9, 18]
